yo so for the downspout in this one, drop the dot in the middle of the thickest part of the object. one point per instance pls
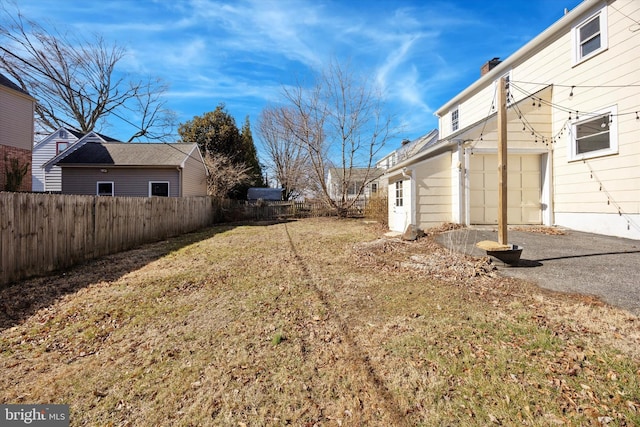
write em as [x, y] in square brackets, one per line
[550, 185]
[410, 216]
[462, 217]
[466, 184]
[179, 181]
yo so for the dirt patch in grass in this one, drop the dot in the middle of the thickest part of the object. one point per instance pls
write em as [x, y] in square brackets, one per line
[315, 322]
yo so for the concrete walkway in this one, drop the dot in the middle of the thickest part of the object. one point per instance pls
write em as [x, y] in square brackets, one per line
[590, 264]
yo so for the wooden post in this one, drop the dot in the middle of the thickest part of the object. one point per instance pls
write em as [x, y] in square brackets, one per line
[502, 162]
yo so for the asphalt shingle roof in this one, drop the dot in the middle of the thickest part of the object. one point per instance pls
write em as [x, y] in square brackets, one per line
[128, 154]
[4, 81]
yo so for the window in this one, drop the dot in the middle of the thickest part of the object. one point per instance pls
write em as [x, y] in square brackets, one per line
[374, 187]
[353, 188]
[104, 188]
[590, 36]
[594, 136]
[160, 189]
[454, 120]
[399, 201]
[61, 146]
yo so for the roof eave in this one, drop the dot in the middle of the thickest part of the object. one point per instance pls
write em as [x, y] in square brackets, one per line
[521, 53]
[440, 146]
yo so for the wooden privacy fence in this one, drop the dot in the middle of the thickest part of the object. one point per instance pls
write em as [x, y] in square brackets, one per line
[44, 232]
[273, 210]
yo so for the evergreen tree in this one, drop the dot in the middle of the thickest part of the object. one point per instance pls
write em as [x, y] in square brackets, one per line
[219, 139]
[215, 132]
[251, 154]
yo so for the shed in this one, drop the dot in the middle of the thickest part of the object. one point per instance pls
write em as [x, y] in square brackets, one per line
[267, 194]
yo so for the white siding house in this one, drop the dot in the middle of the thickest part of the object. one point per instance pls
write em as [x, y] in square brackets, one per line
[573, 132]
[46, 176]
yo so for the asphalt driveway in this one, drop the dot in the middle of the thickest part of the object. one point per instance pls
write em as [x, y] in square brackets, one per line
[575, 262]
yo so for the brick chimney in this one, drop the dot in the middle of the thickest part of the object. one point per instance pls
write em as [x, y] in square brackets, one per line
[489, 65]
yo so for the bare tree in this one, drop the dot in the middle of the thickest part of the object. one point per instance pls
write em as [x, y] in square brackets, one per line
[76, 82]
[288, 159]
[225, 174]
[340, 123]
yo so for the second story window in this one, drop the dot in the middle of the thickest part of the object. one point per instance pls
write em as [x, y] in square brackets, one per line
[61, 146]
[590, 36]
[455, 124]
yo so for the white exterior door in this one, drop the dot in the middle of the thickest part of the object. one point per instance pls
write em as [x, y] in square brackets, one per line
[523, 189]
[399, 205]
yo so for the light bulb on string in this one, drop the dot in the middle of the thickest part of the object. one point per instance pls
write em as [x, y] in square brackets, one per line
[571, 93]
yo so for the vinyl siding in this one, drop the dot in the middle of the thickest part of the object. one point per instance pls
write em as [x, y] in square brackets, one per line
[578, 186]
[194, 178]
[585, 187]
[127, 182]
[434, 192]
[45, 150]
[16, 119]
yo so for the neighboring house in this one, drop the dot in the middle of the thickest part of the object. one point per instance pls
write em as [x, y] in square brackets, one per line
[46, 176]
[133, 169]
[352, 180]
[17, 110]
[572, 133]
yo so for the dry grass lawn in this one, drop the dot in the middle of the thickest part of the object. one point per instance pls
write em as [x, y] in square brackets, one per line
[316, 322]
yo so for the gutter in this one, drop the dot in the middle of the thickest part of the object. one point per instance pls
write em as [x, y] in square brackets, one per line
[521, 53]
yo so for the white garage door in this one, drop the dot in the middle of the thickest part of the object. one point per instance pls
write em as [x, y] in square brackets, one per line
[523, 189]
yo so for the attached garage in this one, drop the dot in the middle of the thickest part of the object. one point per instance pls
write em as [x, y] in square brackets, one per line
[523, 189]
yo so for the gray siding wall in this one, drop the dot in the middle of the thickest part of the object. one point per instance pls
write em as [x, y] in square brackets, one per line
[126, 182]
[194, 178]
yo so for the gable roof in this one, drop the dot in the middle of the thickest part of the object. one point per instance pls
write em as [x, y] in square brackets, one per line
[90, 137]
[130, 155]
[417, 145]
[56, 134]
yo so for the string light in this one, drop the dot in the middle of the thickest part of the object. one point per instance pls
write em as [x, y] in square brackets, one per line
[536, 100]
[571, 93]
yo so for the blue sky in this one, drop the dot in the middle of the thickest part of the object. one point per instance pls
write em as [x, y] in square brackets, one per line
[242, 53]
